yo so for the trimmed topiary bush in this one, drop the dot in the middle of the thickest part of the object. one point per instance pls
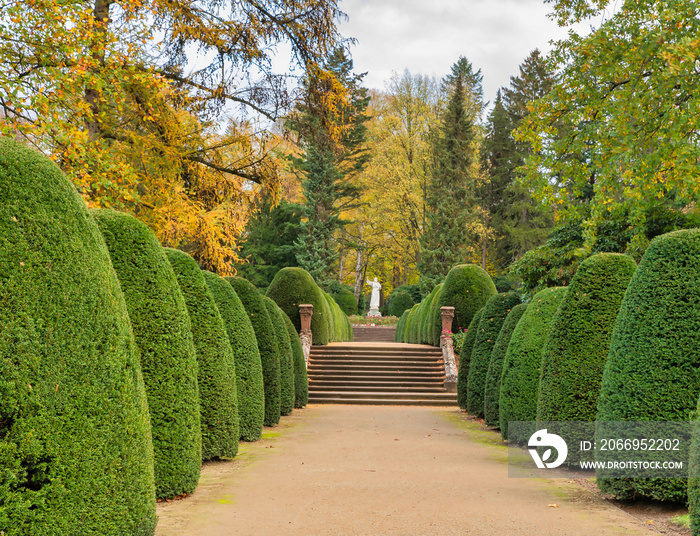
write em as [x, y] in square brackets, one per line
[398, 334]
[249, 375]
[293, 286]
[579, 339]
[75, 439]
[467, 288]
[652, 372]
[426, 323]
[267, 345]
[502, 284]
[399, 302]
[284, 348]
[435, 318]
[521, 368]
[409, 323]
[163, 335]
[301, 380]
[216, 369]
[495, 312]
[346, 301]
[464, 357]
[492, 390]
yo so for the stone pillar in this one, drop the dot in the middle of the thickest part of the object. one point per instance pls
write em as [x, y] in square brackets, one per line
[306, 310]
[448, 354]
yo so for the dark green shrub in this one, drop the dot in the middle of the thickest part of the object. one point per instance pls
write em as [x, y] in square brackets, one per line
[301, 380]
[493, 376]
[75, 440]
[652, 372]
[502, 284]
[426, 323]
[436, 318]
[579, 339]
[465, 353]
[413, 291]
[333, 320]
[416, 323]
[293, 286]
[409, 323]
[346, 301]
[216, 368]
[399, 302]
[467, 288]
[163, 335]
[495, 312]
[267, 345]
[521, 368]
[249, 374]
[398, 335]
[284, 348]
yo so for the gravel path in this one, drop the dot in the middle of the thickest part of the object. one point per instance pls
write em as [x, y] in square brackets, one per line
[380, 471]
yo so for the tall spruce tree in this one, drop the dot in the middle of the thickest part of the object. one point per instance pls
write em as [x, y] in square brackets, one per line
[451, 197]
[332, 131]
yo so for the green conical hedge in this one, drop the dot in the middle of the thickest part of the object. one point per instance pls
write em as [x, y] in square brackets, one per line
[579, 339]
[428, 316]
[409, 323]
[495, 312]
[284, 347]
[249, 375]
[301, 380]
[467, 288]
[653, 368]
[398, 335]
[521, 368]
[75, 441]
[465, 354]
[292, 287]
[164, 338]
[492, 390]
[346, 301]
[216, 369]
[267, 344]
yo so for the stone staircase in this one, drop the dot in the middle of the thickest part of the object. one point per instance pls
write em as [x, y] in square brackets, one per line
[374, 333]
[376, 373]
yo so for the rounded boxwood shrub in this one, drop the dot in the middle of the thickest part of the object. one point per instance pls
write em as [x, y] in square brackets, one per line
[399, 302]
[346, 301]
[579, 339]
[293, 286]
[267, 345]
[465, 353]
[249, 375]
[163, 335]
[301, 380]
[334, 331]
[284, 348]
[409, 323]
[652, 372]
[467, 288]
[435, 318]
[521, 367]
[216, 368]
[493, 376]
[502, 284]
[417, 322]
[426, 332]
[495, 312]
[75, 439]
[398, 334]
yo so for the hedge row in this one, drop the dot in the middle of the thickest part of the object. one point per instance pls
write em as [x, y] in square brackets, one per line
[292, 287]
[216, 373]
[148, 365]
[163, 336]
[465, 353]
[467, 288]
[492, 318]
[75, 439]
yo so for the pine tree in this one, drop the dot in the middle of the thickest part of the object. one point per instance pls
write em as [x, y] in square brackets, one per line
[332, 130]
[452, 187]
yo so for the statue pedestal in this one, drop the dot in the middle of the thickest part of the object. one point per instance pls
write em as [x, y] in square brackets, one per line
[374, 313]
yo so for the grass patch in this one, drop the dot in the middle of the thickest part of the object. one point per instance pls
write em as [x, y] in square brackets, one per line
[683, 521]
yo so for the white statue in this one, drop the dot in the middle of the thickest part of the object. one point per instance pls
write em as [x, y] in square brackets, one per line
[374, 298]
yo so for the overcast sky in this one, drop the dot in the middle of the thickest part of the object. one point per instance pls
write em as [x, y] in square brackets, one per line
[428, 36]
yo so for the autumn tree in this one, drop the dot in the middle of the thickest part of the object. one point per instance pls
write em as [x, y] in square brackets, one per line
[618, 131]
[330, 123]
[110, 89]
[453, 218]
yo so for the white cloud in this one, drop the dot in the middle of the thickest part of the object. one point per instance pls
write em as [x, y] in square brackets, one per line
[428, 36]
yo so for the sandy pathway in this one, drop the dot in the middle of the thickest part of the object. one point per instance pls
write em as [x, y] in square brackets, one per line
[376, 471]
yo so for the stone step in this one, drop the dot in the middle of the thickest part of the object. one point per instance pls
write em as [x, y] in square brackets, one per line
[388, 380]
[379, 395]
[377, 373]
[371, 366]
[370, 357]
[387, 383]
[364, 387]
[383, 402]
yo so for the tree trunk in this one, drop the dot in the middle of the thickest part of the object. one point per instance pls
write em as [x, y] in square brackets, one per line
[341, 256]
[92, 96]
[359, 275]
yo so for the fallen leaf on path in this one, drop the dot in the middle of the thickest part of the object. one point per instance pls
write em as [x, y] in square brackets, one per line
[649, 522]
[553, 505]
